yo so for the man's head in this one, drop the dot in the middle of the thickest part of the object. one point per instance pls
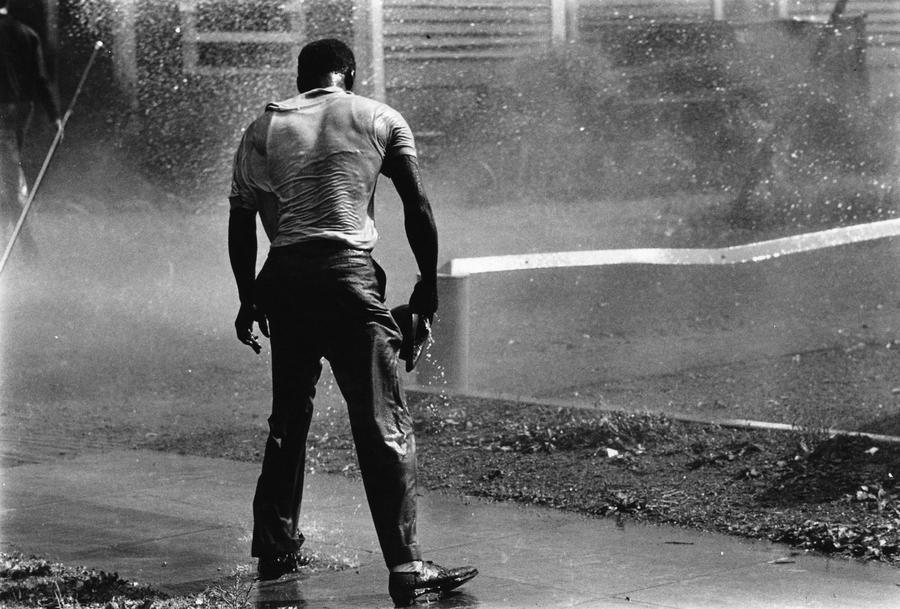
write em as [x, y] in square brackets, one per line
[324, 63]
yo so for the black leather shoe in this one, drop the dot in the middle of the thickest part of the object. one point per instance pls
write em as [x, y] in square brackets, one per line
[273, 567]
[416, 331]
[431, 582]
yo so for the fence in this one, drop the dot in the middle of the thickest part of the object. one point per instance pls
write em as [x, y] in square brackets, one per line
[445, 65]
[459, 40]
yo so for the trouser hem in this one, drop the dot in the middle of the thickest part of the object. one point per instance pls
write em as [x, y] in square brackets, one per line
[403, 555]
[279, 550]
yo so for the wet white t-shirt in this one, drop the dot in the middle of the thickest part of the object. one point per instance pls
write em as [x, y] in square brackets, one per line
[310, 164]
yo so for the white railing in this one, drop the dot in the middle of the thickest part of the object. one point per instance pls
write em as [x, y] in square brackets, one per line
[448, 361]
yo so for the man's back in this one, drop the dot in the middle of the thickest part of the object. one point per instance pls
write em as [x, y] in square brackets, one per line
[17, 50]
[23, 75]
[323, 152]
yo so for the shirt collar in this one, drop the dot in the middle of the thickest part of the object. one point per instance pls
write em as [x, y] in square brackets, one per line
[323, 91]
[303, 99]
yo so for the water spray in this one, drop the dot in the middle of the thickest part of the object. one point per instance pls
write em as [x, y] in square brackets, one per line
[57, 138]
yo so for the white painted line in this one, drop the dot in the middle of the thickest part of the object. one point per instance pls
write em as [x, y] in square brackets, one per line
[751, 252]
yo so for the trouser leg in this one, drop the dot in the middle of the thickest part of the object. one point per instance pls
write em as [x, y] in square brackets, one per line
[9, 171]
[13, 187]
[28, 241]
[367, 374]
[279, 489]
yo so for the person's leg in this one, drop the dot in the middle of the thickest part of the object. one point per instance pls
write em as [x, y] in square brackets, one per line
[363, 350]
[279, 489]
[13, 187]
[363, 355]
[28, 242]
[366, 372]
[9, 164]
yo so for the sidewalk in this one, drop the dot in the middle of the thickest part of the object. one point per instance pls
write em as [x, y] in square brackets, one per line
[180, 523]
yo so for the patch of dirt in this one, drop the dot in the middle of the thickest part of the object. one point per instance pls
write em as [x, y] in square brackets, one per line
[31, 581]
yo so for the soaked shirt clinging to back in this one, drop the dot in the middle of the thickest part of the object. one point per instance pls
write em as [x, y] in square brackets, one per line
[310, 164]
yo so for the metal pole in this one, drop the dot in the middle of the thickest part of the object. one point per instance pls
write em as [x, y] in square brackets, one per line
[368, 43]
[572, 20]
[783, 11]
[558, 21]
[53, 145]
[124, 50]
[377, 49]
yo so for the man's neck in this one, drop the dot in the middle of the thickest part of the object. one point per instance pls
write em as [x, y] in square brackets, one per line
[4, 11]
[334, 79]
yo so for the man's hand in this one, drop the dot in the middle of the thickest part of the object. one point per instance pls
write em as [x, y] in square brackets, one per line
[243, 324]
[242, 253]
[424, 299]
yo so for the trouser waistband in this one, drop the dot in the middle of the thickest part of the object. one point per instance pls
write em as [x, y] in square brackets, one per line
[315, 247]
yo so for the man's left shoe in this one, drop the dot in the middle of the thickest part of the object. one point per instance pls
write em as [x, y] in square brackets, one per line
[416, 331]
[272, 567]
[432, 580]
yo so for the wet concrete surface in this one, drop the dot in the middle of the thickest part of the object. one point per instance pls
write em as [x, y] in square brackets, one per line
[182, 523]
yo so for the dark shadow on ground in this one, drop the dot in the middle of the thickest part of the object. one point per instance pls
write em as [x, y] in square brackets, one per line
[837, 467]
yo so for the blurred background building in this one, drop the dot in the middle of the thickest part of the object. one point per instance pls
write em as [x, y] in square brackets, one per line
[191, 73]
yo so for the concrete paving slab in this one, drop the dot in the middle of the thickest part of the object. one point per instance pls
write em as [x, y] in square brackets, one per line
[81, 522]
[181, 523]
[181, 561]
[773, 586]
[465, 519]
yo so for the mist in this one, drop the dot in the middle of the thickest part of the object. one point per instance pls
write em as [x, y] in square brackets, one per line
[640, 131]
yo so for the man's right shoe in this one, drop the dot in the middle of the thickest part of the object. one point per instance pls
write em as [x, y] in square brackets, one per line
[273, 567]
[431, 581]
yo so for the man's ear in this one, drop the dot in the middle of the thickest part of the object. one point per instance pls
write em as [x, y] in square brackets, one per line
[349, 78]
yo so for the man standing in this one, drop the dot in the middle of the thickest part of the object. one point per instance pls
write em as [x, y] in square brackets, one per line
[23, 80]
[308, 166]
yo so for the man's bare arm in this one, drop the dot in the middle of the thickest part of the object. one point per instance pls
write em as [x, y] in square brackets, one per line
[242, 247]
[420, 230]
[242, 251]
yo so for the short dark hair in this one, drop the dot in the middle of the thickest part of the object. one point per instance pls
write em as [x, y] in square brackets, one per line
[322, 57]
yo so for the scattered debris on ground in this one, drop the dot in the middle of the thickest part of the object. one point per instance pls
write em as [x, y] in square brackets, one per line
[28, 581]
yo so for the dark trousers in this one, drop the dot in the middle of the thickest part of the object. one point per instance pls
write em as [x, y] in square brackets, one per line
[14, 119]
[326, 301]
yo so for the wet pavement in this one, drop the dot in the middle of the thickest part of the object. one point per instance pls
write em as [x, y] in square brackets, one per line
[182, 523]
